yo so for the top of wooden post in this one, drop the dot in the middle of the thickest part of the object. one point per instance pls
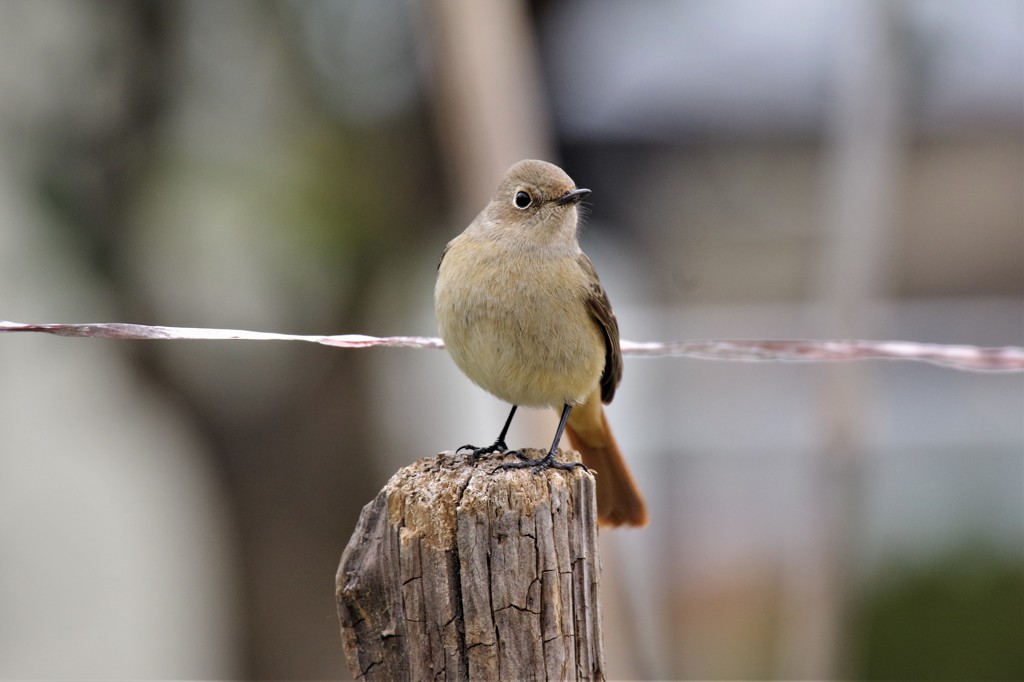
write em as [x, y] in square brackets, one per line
[456, 571]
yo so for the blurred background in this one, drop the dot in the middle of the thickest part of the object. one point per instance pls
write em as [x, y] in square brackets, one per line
[760, 169]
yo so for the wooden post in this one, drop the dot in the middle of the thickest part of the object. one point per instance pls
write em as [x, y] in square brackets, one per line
[456, 572]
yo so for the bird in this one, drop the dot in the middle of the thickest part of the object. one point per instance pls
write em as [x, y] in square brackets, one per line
[523, 314]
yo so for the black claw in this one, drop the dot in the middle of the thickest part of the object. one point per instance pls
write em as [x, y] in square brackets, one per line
[476, 453]
[496, 446]
[548, 461]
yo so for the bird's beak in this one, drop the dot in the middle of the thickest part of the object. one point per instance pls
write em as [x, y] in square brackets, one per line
[573, 197]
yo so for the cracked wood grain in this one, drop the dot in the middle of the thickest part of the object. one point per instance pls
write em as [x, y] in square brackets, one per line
[457, 572]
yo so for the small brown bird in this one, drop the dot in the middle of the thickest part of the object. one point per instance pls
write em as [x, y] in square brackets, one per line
[524, 316]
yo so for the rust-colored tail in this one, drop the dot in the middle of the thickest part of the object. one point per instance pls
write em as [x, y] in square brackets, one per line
[618, 499]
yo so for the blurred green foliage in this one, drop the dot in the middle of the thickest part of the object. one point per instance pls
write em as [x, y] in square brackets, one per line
[960, 617]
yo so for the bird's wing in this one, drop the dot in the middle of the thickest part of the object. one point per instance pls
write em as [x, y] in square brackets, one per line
[601, 311]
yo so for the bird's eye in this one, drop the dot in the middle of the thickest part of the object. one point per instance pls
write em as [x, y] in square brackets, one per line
[522, 200]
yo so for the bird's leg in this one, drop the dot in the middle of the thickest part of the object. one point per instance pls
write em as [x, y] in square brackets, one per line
[548, 461]
[498, 445]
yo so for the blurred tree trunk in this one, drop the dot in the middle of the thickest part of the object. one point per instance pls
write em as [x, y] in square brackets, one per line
[862, 158]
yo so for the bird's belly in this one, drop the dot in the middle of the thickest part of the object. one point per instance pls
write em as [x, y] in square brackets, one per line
[526, 356]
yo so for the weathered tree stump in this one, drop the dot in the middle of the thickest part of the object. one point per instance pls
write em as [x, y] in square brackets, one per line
[458, 573]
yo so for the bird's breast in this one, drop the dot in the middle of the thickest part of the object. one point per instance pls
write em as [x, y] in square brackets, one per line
[519, 325]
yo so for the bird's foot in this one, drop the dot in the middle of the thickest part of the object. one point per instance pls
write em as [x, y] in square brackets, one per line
[546, 462]
[497, 446]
